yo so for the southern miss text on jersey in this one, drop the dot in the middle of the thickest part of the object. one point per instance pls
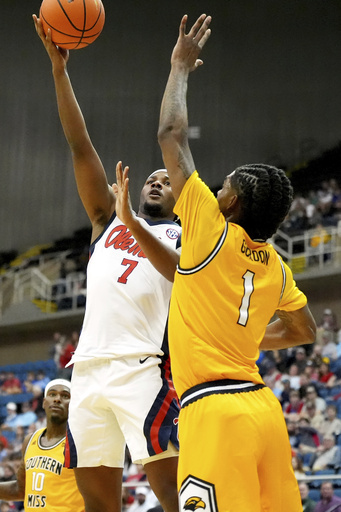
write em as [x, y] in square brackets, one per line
[48, 484]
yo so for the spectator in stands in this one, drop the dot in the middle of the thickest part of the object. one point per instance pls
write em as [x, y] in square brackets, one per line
[308, 438]
[331, 425]
[292, 427]
[11, 385]
[300, 359]
[316, 356]
[2, 380]
[312, 396]
[298, 466]
[26, 417]
[272, 375]
[319, 242]
[27, 385]
[284, 394]
[329, 348]
[307, 503]
[3, 448]
[328, 321]
[327, 454]
[310, 372]
[59, 343]
[127, 499]
[145, 499]
[295, 403]
[294, 376]
[328, 501]
[40, 383]
[7, 506]
[66, 355]
[9, 473]
[325, 198]
[10, 420]
[326, 377]
[17, 442]
[315, 417]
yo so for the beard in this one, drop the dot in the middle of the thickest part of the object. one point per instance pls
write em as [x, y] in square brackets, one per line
[153, 209]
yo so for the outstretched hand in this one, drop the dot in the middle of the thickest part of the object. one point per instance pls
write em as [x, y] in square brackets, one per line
[189, 46]
[58, 56]
[121, 190]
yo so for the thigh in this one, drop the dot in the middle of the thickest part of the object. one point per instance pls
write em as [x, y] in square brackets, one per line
[223, 440]
[278, 485]
[94, 437]
[101, 488]
[146, 406]
[162, 476]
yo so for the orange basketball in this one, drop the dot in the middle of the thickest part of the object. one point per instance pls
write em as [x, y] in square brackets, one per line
[74, 24]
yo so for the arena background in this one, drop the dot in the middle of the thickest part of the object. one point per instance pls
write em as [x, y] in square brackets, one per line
[269, 91]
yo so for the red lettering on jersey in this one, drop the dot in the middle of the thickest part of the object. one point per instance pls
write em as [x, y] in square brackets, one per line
[120, 238]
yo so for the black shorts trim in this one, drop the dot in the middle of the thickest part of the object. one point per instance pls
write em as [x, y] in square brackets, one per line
[218, 387]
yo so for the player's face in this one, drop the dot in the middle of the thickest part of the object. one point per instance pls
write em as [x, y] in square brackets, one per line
[226, 195]
[156, 197]
[56, 403]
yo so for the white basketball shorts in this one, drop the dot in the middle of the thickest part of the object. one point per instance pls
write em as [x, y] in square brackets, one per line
[117, 402]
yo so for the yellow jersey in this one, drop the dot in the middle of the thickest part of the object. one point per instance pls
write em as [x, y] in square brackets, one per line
[226, 290]
[49, 485]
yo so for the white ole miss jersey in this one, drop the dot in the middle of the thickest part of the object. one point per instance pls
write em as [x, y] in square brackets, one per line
[127, 298]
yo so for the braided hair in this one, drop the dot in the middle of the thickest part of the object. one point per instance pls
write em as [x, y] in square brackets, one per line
[265, 195]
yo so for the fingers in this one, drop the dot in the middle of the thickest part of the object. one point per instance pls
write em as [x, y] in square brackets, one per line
[204, 38]
[200, 26]
[202, 30]
[182, 28]
[121, 174]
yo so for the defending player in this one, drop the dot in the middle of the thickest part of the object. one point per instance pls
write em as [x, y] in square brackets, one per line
[234, 449]
[41, 480]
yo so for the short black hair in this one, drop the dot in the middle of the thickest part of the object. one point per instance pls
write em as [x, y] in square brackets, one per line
[265, 194]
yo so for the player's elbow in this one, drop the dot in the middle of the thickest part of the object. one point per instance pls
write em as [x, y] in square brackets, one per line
[169, 133]
[309, 332]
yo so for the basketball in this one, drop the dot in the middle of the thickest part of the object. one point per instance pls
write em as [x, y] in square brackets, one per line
[74, 24]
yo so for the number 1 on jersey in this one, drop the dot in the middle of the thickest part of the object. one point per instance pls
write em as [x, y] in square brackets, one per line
[245, 305]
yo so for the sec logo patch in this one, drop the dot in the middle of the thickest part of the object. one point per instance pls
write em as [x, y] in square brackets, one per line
[172, 233]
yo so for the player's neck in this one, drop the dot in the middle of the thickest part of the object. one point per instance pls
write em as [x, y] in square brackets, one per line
[53, 434]
[156, 218]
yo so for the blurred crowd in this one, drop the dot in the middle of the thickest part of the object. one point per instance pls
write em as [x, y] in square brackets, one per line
[316, 207]
[307, 382]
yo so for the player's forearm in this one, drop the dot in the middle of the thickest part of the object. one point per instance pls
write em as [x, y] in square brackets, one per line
[161, 256]
[290, 330]
[173, 115]
[70, 114]
[11, 491]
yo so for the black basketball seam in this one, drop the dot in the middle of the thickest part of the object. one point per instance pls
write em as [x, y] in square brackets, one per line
[84, 23]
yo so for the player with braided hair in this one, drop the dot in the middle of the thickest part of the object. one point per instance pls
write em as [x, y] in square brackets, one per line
[262, 188]
[234, 448]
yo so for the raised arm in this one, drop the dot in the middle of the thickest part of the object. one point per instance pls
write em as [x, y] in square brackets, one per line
[173, 126]
[161, 256]
[290, 330]
[96, 195]
[14, 490]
